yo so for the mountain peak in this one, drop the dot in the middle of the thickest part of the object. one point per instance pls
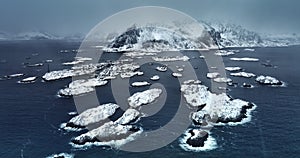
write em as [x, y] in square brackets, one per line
[150, 38]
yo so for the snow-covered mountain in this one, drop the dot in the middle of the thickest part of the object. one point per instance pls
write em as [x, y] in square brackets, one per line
[231, 35]
[223, 35]
[150, 38]
[36, 35]
[3, 36]
[280, 40]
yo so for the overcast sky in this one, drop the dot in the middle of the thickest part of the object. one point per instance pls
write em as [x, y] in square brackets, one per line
[79, 16]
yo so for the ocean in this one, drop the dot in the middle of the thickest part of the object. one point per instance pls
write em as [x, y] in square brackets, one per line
[30, 114]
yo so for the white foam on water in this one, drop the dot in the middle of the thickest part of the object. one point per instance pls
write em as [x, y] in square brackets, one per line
[65, 155]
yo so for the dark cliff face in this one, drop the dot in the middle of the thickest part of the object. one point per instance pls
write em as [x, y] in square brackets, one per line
[129, 38]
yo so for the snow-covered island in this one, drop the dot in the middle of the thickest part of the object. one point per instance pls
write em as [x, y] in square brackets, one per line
[112, 133]
[247, 85]
[220, 106]
[155, 78]
[245, 59]
[234, 68]
[16, 75]
[140, 83]
[90, 116]
[214, 109]
[74, 71]
[243, 74]
[176, 74]
[212, 75]
[145, 97]
[224, 53]
[197, 140]
[109, 134]
[222, 79]
[130, 116]
[82, 86]
[176, 58]
[268, 80]
[28, 79]
[162, 68]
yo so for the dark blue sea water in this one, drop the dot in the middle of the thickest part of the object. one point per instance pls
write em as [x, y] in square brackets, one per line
[30, 114]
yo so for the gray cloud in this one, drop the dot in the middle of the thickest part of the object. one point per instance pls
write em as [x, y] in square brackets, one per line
[74, 16]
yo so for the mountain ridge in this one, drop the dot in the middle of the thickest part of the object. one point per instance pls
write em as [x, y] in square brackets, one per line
[224, 35]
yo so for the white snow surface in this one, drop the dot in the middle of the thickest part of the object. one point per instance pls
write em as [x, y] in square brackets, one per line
[195, 94]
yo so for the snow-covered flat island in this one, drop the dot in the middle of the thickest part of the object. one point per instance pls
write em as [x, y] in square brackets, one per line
[140, 83]
[109, 134]
[176, 74]
[243, 74]
[212, 75]
[245, 59]
[224, 53]
[162, 68]
[28, 79]
[90, 116]
[155, 78]
[268, 80]
[82, 86]
[145, 97]
[176, 58]
[74, 71]
[234, 68]
[222, 79]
